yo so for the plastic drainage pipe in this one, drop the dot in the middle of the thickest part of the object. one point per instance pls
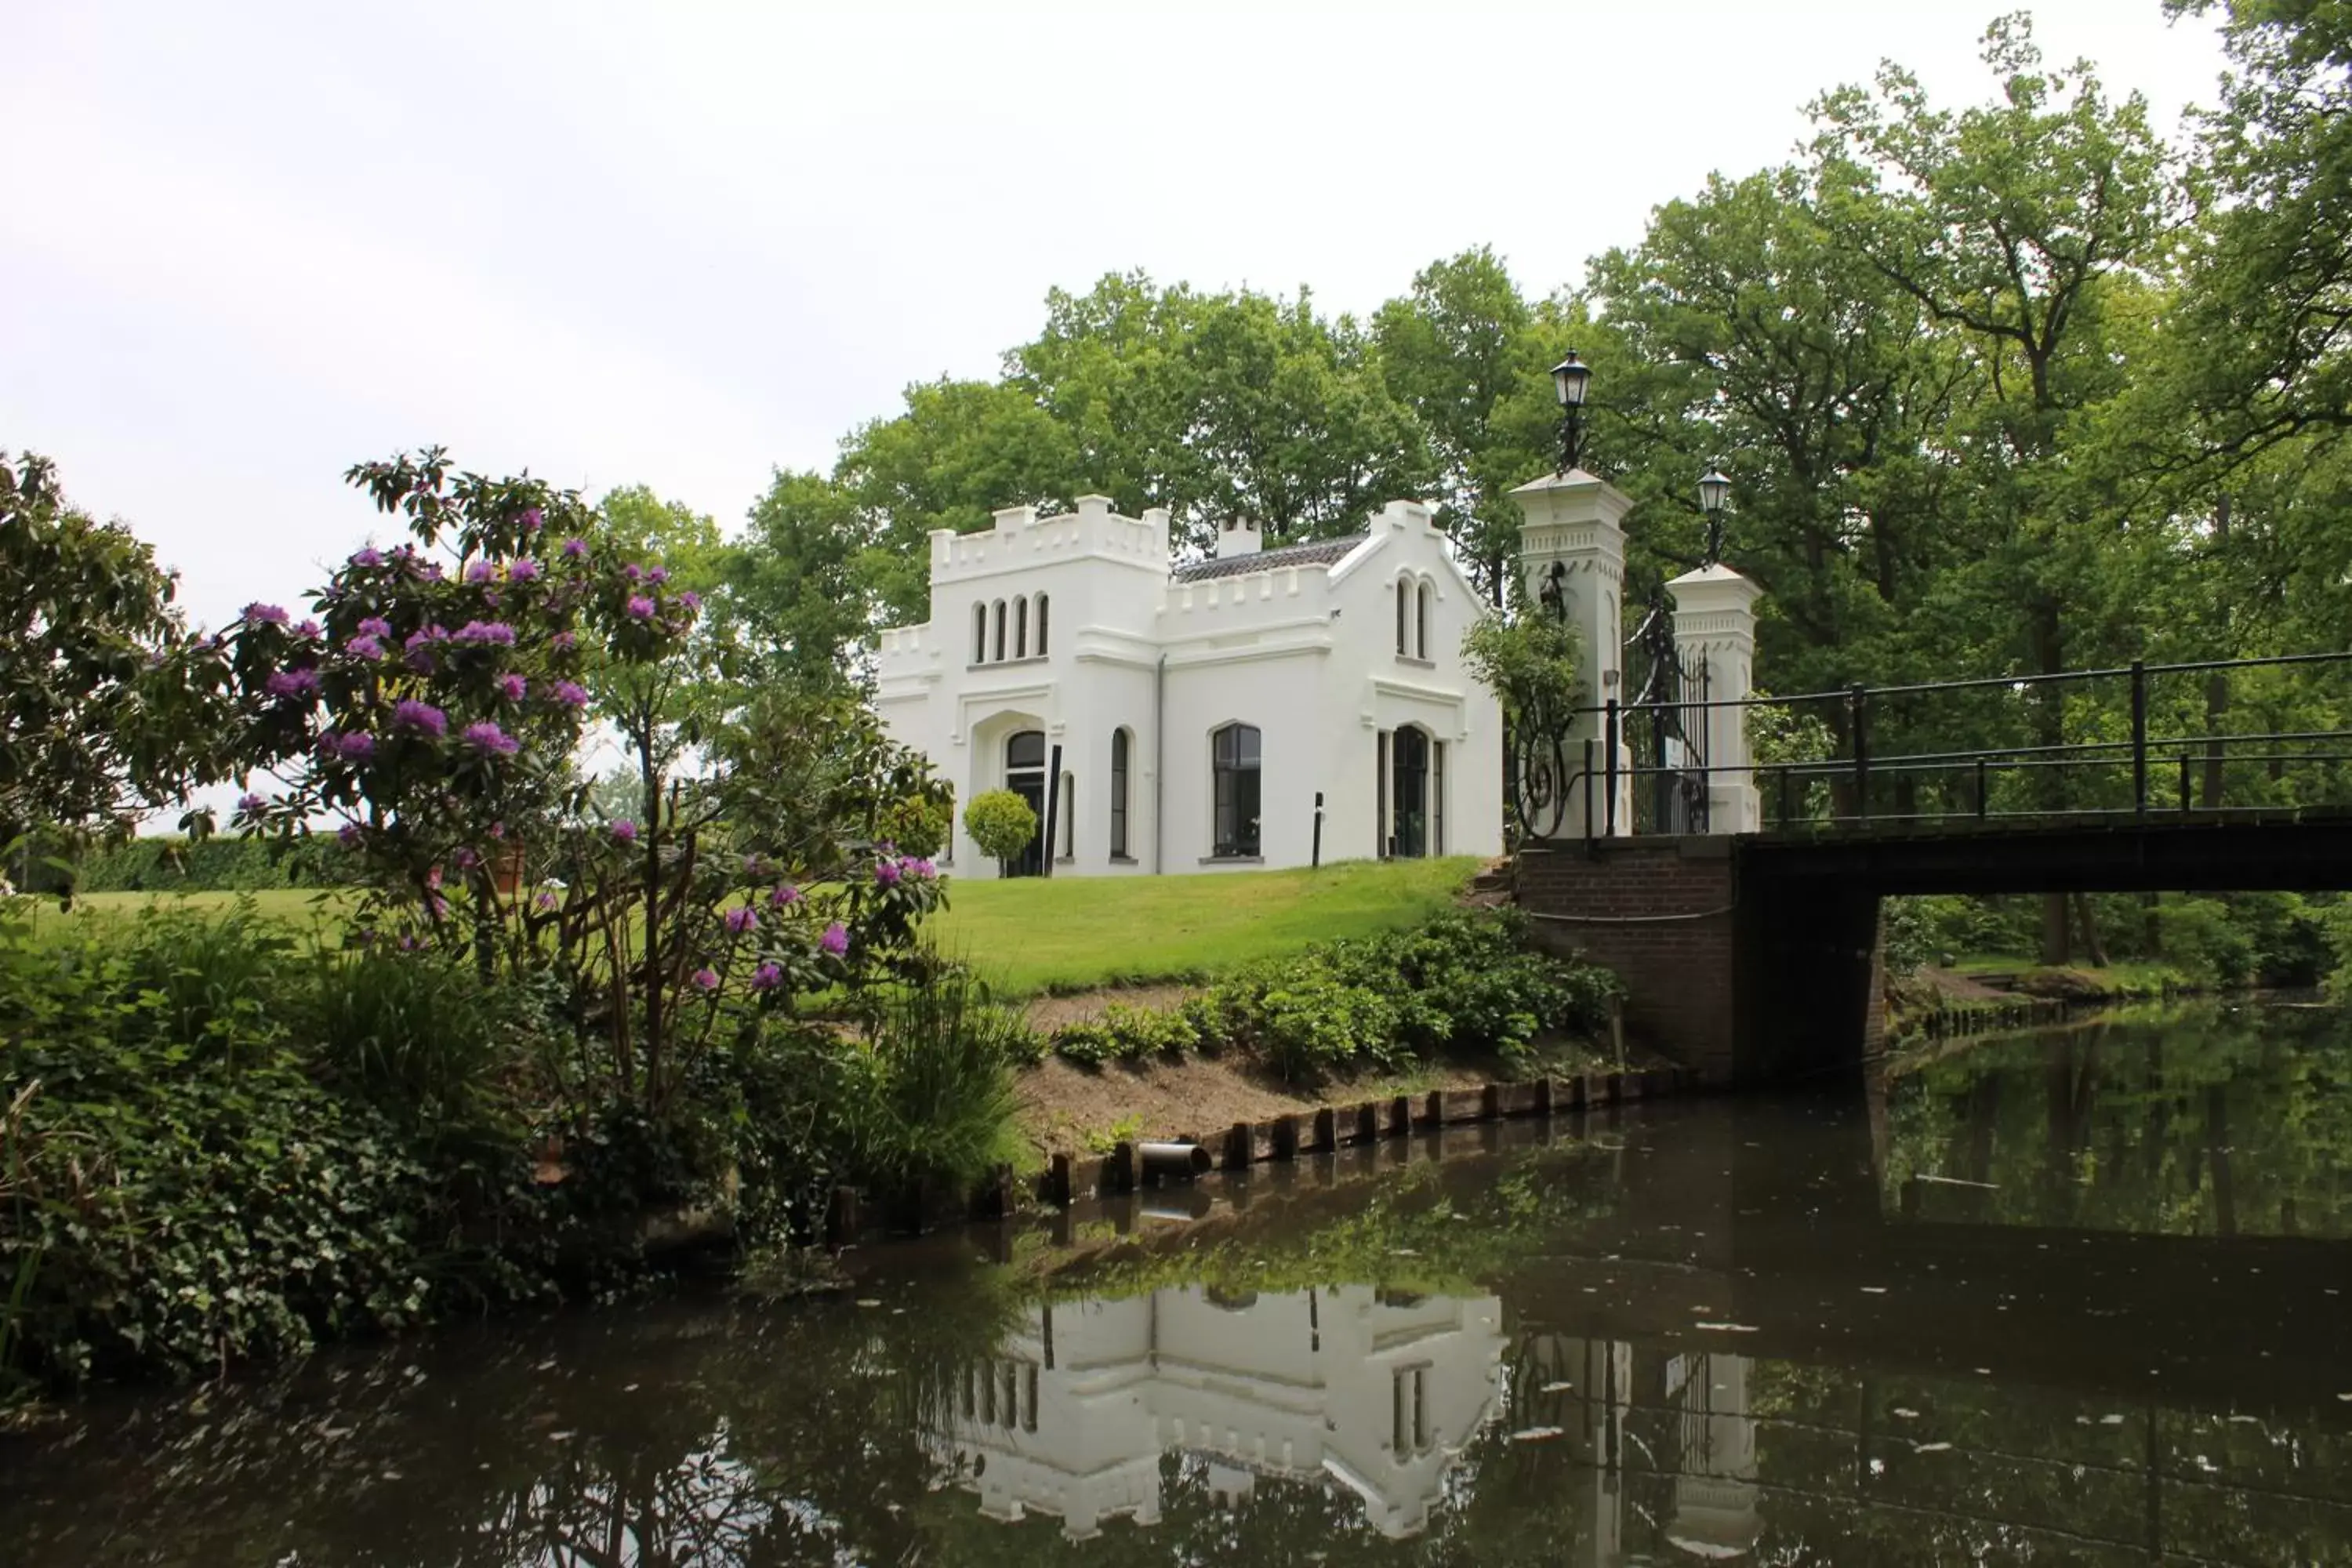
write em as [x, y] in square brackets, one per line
[1172, 1161]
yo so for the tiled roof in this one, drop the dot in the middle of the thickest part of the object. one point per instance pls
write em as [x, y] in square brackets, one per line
[1317, 553]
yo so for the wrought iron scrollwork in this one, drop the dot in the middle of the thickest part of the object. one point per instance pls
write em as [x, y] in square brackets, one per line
[1539, 741]
[1667, 734]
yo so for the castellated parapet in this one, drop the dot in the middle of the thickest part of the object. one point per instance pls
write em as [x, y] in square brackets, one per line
[1022, 541]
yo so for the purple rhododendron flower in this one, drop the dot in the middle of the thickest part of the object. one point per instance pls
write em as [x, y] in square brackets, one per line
[739, 921]
[571, 693]
[250, 803]
[545, 901]
[640, 607]
[272, 614]
[430, 570]
[348, 835]
[466, 859]
[364, 646]
[511, 686]
[626, 831]
[922, 869]
[656, 574]
[563, 642]
[357, 747]
[307, 630]
[784, 895]
[485, 632]
[523, 569]
[634, 571]
[767, 977]
[375, 626]
[573, 549]
[532, 517]
[487, 737]
[421, 717]
[292, 683]
[480, 572]
[887, 873]
[368, 557]
[690, 599]
[706, 980]
[835, 940]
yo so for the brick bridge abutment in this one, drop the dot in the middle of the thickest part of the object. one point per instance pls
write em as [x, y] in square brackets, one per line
[1746, 977]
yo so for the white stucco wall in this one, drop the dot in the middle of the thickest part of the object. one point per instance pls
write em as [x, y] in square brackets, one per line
[1305, 653]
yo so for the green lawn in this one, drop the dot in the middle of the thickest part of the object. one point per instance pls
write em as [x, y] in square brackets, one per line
[1073, 933]
[1030, 935]
[295, 906]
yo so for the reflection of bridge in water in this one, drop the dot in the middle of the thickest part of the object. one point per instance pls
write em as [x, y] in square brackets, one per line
[1756, 1335]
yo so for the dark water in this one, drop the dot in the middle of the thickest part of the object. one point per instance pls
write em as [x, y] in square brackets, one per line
[2079, 1299]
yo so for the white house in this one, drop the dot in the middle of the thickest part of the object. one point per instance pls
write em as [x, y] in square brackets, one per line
[1344, 1386]
[1203, 714]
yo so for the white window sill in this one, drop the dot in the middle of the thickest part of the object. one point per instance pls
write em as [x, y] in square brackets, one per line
[1232, 859]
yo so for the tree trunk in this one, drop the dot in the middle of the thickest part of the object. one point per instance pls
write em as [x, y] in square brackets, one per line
[2091, 942]
[2057, 946]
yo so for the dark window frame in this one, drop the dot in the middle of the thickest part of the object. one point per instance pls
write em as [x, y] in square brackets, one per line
[1237, 791]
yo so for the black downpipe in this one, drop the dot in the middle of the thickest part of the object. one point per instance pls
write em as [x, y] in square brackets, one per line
[1317, 862]
[1052, 810]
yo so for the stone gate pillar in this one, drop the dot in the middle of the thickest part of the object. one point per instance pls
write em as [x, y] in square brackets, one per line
[1715, 628]
[1573, 543]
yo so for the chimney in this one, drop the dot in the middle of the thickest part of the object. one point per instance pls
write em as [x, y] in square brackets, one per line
[1239, 537]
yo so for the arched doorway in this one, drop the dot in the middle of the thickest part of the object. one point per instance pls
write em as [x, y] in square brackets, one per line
[1024, 776]
[1409, 788]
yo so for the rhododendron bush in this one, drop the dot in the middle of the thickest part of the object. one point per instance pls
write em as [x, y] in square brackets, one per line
[429, 709]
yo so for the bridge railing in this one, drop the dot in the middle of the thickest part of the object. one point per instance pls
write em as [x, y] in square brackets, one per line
[2205, 736]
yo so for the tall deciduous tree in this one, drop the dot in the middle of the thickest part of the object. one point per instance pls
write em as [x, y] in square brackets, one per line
[1470, 357]
[108, 705]
[2267, 323]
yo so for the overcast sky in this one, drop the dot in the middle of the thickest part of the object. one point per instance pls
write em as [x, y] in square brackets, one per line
[242, 245]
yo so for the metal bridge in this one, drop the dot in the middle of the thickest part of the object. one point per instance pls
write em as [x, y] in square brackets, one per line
[2137, 742]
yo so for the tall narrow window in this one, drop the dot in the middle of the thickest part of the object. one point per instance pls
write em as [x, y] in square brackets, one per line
[1400, 589]
[1234, 758]
[1069, 817]
[980, 634]
[1119, 744]
[1021, 628]
[1409, 789]
[1000, 628]
[1041, 626]
[1421, 619]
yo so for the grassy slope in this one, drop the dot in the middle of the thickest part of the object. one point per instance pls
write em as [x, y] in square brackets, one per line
[1073, 933]
[1030, 935]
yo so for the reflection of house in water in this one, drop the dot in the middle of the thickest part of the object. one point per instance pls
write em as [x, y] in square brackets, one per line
[1636, 1419]
[1349, 1385]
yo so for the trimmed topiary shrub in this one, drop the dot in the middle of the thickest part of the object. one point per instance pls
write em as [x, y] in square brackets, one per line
[1001, 823]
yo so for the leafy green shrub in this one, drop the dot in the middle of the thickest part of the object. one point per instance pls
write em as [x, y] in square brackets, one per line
[2204, 941]
[1130, 1035]
[1307, 1021]
[193, 1183]
[1001, 823]
[1465, 981]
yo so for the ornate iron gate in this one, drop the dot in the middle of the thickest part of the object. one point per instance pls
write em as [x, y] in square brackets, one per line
[1664, 728]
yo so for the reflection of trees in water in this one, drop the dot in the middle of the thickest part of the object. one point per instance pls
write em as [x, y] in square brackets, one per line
[2207, 1121]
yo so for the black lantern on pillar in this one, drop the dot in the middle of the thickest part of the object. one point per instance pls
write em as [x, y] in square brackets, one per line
[1714, 495]
[1570, 378]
